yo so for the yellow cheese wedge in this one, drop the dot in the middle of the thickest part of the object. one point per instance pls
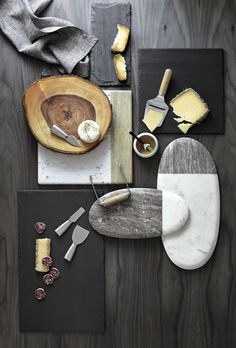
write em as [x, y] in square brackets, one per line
[189, 106]
[121, 39]
[184, 127]
[120, 67]
[42, 249]
[153, 119]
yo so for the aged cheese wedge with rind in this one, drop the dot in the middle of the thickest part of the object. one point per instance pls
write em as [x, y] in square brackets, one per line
[153, 119]
[121, 38]
[189, 107]
[42, 249]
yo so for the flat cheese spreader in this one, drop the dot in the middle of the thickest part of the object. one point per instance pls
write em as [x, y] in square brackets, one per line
[146, 213]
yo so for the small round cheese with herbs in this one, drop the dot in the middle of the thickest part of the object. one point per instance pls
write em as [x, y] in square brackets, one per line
[89, 131]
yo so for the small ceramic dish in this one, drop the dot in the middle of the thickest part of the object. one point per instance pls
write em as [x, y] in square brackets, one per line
[147, 138]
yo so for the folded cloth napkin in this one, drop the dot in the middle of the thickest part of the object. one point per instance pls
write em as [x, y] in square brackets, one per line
[52, 40]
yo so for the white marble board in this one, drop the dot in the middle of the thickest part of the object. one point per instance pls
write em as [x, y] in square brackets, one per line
[187, 169]
[55, 168]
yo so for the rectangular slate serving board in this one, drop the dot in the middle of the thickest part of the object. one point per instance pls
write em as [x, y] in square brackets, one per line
[201, 69]
[75, 301]
[104, 20]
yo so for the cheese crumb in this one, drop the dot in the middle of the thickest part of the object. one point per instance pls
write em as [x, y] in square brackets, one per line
[184, 127]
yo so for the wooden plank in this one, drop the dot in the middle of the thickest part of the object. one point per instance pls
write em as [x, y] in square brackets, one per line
[104, 20]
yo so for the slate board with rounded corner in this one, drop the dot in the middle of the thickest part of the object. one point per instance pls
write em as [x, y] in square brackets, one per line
[146, 213]
[187, 169]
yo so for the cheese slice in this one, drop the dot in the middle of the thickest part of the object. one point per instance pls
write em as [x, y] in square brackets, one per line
[189, 107]
[184, 127]
[121, 39]
[120, 67]
[153, 119]
[42, 249]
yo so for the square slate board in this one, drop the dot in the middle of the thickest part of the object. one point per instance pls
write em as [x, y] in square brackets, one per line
[201, 69]
[75, 301]
[104, 20]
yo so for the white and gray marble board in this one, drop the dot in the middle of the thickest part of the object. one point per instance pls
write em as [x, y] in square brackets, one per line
[146, 213]
[55, 168]
[187, 169]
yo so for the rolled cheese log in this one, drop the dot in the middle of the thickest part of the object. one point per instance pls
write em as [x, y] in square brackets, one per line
[42, 249]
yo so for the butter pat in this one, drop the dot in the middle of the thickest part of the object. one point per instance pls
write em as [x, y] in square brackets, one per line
[120, 67]
[190, 108]
[42, 249]
[121, 38]
[153, 119]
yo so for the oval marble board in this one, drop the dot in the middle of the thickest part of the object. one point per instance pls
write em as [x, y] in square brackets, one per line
[187, 169]
[146, 213]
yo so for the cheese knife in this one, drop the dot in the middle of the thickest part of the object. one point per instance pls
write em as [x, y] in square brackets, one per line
[78, 237]
[71, 139]
[63, 227]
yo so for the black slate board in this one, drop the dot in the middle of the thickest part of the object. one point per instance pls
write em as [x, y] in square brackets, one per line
[75, 302]
[201, 69]
[104, 20]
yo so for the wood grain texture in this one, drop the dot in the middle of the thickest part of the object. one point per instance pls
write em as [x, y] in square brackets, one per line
[65, 101]
[149, 302]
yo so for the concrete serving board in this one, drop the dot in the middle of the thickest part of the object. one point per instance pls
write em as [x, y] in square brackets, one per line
[146, 213]
[187, 169]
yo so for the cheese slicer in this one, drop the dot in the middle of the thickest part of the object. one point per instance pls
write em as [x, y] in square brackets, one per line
[78, 237]
[157, 108]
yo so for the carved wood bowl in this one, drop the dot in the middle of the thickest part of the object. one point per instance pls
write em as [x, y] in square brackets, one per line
[65, 101]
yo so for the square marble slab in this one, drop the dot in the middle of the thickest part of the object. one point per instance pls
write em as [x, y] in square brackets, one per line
[55, 168]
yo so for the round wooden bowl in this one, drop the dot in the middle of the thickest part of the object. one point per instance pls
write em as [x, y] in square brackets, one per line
[65, 101]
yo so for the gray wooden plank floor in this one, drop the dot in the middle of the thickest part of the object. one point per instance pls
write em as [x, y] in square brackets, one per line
[149, 302]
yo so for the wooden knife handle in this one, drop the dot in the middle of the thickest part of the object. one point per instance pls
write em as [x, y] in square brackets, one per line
[165, 82]
[115, 199]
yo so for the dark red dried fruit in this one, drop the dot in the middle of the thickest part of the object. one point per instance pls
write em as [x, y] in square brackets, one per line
[48, 279]
[54, 272]
[40, 227]
[47, 261]
[40, 294]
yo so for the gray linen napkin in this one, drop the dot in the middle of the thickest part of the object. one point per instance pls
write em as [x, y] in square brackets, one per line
[52, 40]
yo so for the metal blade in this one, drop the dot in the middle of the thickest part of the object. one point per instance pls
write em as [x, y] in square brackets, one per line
[73, 141]
[79, 235]
[76, 215]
